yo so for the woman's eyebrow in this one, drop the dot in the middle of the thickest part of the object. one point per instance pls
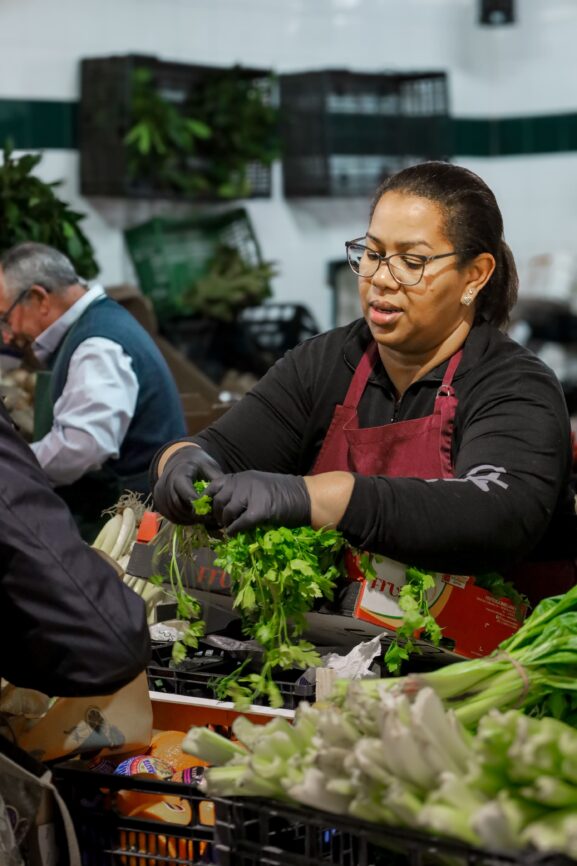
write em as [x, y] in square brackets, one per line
[401, 244]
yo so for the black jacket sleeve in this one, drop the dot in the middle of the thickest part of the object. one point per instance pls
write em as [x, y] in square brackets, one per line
[68, 625]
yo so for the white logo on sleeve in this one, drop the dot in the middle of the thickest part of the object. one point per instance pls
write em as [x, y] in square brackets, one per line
[482, 477]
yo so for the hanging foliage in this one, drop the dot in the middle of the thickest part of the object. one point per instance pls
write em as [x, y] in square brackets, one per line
[30, 210]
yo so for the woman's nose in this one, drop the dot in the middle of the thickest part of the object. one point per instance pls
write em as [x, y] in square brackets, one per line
[383, 278]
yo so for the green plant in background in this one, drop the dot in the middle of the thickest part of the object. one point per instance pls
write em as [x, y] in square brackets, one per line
[31, 211]
[163, 139]
[204, 144]
[230, 285]
[244, 129]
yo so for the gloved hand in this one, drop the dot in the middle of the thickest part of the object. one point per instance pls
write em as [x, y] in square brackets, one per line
[174, 490]
[246, 499]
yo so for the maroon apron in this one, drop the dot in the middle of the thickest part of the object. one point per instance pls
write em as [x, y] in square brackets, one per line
[419, 448]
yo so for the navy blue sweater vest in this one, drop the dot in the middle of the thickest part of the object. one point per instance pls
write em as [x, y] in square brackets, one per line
[158, 417]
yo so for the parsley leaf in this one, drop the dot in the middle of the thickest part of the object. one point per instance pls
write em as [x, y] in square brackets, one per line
[417, 619]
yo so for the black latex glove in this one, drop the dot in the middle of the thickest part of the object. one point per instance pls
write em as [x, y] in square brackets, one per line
[247, 499]
[174, 490]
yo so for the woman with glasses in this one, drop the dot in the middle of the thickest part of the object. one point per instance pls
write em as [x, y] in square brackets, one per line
[420, 430]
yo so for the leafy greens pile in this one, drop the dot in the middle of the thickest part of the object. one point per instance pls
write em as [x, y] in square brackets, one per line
[276, 575]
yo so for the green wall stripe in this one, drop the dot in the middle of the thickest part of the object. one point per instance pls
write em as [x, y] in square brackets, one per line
[515, 136]
[35, 124]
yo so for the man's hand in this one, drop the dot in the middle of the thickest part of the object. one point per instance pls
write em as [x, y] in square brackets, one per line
[246, 499]
[174, 490]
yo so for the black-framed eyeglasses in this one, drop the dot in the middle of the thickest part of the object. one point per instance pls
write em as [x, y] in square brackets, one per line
[5, 325]
[4, 318]
[406, 269]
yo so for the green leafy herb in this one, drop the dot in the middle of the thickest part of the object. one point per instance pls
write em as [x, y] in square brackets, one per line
[202, 505]
[244, 128]
[417, 618]
[181, 543]
[276, 575]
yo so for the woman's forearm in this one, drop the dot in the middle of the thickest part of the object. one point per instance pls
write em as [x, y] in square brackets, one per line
[330, 493]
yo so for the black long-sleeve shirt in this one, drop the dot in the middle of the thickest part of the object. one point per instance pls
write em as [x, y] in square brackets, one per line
[511, 451]
[68, 625]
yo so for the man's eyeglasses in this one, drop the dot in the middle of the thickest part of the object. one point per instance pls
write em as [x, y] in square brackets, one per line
[5, 317]
[405, 268]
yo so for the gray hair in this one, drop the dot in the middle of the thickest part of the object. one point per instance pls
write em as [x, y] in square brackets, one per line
[30, 263]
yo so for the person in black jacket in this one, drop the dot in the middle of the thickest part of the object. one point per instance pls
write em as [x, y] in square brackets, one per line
[421, 431]
[68, 625]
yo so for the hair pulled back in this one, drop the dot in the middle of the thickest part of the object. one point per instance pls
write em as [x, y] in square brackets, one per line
[472, 223]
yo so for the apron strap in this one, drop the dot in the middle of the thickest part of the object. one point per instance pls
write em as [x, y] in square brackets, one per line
[446, 389]
[446, 403]
[362, 372]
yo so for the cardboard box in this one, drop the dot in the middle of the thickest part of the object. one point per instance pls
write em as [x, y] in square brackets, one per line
[472, 619]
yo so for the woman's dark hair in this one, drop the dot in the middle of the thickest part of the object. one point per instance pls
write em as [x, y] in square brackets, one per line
[472, 223]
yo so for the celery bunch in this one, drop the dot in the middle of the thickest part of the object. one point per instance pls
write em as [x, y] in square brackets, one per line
[377, 759]
[407, 761]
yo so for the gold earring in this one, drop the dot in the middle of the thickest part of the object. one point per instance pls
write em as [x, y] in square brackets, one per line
[468, 297]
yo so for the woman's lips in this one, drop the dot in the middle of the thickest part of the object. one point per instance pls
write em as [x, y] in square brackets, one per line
[384, 315]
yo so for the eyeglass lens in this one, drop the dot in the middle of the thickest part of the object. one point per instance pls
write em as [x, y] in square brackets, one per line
[5, 326]
[405, 269]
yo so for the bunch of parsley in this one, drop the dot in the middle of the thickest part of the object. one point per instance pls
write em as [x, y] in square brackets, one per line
[276, 575]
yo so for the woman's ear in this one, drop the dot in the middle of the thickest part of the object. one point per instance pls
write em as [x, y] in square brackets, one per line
[479, 272]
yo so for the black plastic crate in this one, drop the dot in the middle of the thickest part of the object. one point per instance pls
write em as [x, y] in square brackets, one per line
[257, 337]
[274, 328]
[344, 132]
[201, 671]
[250, 832]
[108, 838]
[105, 119]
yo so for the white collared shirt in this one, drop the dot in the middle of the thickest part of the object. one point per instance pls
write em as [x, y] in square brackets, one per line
[97, 404]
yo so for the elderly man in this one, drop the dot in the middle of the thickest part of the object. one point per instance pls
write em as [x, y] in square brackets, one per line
[106, 400]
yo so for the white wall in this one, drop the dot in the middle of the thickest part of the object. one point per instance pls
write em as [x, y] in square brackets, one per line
[529, 68]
